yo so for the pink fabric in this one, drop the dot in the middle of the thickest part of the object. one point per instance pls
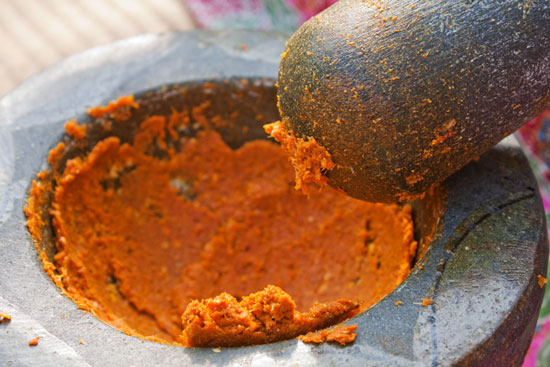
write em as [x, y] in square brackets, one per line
[308, 8]
[208, 12]
[539, 340]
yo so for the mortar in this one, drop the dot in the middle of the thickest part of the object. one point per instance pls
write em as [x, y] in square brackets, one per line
[480, 266]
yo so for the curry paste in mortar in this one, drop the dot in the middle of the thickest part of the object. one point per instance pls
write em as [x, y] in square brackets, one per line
[180, 239]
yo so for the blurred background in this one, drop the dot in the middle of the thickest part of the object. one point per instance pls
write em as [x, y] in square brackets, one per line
[36, 33]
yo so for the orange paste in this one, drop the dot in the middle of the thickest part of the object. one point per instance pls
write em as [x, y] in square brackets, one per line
[263, 317]
[4, 317]
[309, 159]
[120, 109]
[426, 302]
[541, 280]
[76, 131]
[343, 334]
[169, 236]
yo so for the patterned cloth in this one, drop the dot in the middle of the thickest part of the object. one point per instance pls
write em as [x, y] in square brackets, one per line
[290, 14]
[535, 139]
[255, 14]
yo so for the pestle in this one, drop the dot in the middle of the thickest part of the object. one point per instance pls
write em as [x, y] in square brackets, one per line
[404, 93]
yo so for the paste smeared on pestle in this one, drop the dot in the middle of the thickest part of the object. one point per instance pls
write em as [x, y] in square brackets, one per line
[309, 159]
[173, 224]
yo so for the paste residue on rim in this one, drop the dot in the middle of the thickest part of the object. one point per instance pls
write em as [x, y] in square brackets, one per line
[176, 224]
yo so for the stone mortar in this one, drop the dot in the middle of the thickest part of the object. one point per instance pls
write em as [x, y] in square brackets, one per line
[480, 269]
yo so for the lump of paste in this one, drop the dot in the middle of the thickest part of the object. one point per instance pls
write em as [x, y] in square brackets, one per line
[263, 317]
[309, 159]
[342, 334]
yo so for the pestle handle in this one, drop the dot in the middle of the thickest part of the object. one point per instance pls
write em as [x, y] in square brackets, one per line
[404, 93]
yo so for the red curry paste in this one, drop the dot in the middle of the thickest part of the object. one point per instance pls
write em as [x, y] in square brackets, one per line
[309, 159]
[263, 317]
[4, 317]
[343, 334]
[145, 231]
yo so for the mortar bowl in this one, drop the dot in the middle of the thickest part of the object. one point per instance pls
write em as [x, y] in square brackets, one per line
[482, 236]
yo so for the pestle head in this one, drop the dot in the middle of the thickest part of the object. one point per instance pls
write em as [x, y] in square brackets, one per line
[402, 93]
